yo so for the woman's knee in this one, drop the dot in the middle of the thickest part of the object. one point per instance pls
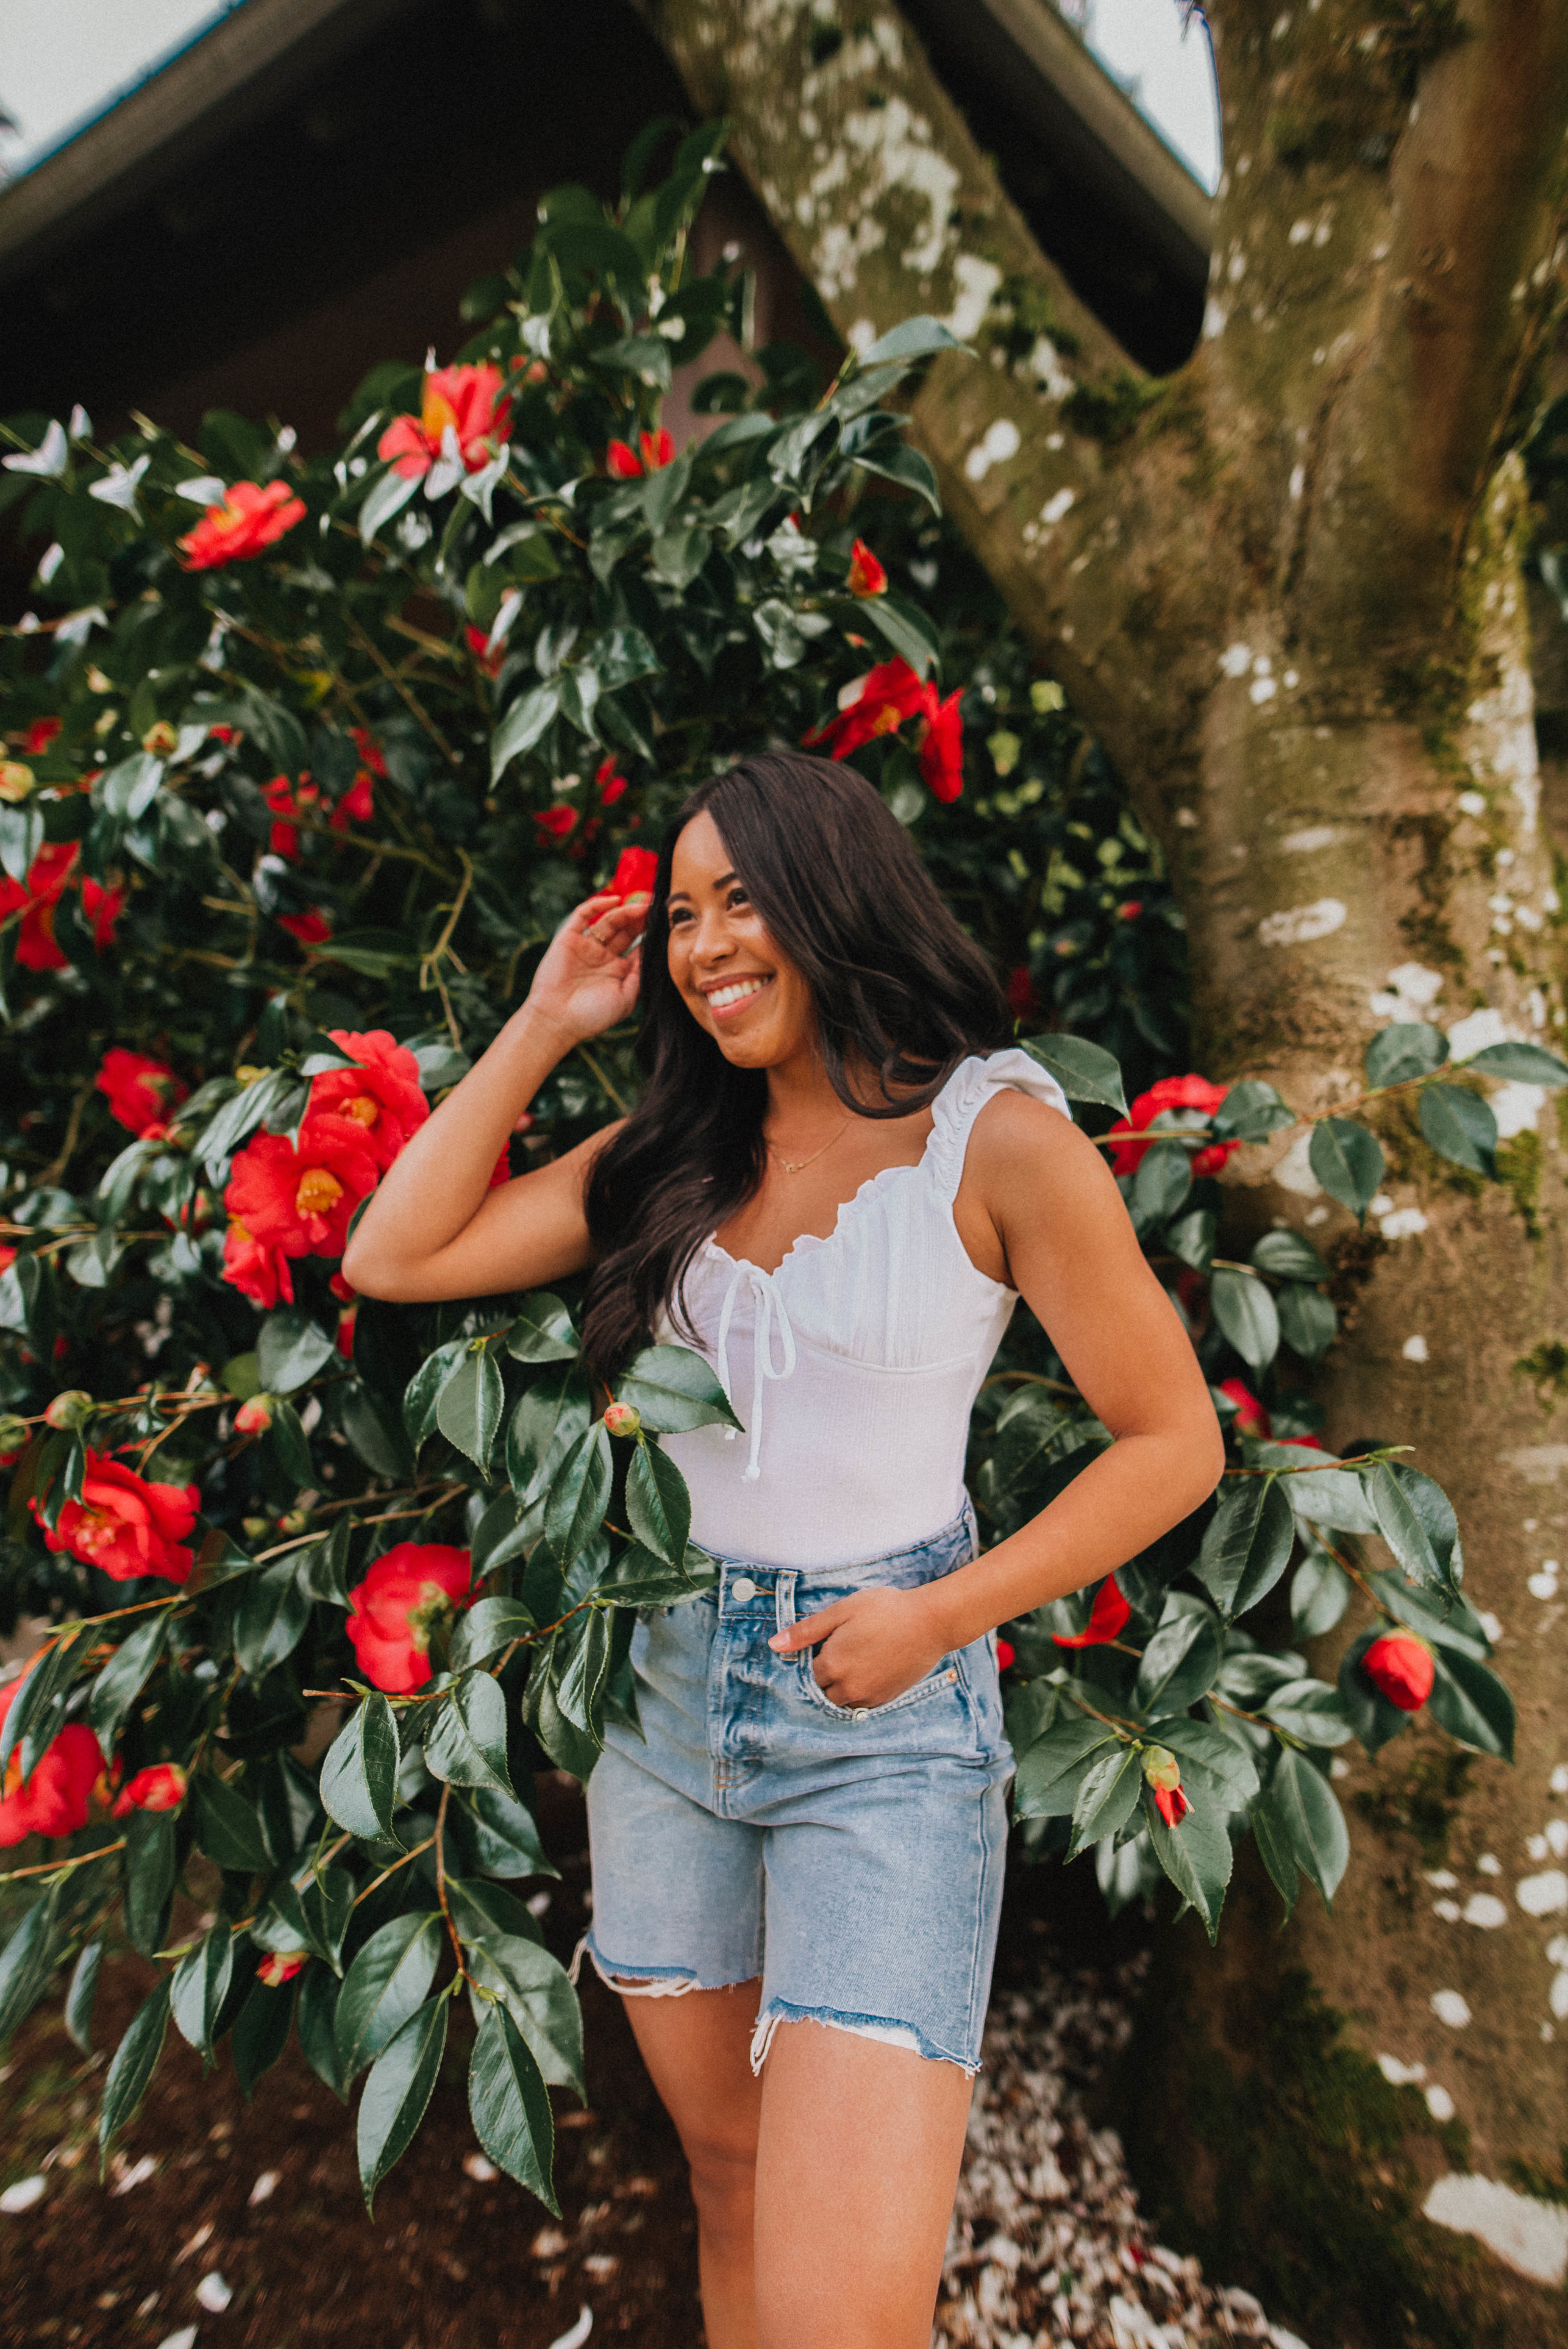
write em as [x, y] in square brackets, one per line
[723, 2182]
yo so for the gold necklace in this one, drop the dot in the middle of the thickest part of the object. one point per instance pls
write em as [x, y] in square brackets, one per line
[799, 1166]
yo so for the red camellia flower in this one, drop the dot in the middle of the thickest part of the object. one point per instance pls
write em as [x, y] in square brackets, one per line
[1108, 1619]
[611, 784]
[299, 1200]
[140, 1090]
[555, 822]
[1400, 1666]
[159, 1787]
[312, 929]
[479, 644]
[879, 702]
[37, 897]
[407, 1594]
[258, 1272]
[41, 733]
[249, 519]
[634, 874]
[867, 577]
[1252, 1419]
[124, 1524]
[279, 1967]
[657, 451]
[942, 752]
[254, 1416]
[1171, 1093]
[464, 400]
[1007, 1654]
[55, 1800]
[381, 1095]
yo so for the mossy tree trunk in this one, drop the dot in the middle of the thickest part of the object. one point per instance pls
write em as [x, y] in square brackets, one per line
[1284, 588]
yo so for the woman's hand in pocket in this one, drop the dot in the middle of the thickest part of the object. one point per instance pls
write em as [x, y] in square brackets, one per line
[870, 1647]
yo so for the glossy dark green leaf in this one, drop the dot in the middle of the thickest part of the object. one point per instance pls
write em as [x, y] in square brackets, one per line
[1412, 1049]
[1288, 1255]
[509, 2106]
[543, 1331]
[552, 1414]
[315, 2017]
[228, 1829]
[388, 1980]
[1251, 1112]
[568, 1746]
[32, 1721]
[467, 1743]
[25, 1963]
[1472, 1703]
[149, 1877]
[1191, 1237]
[910, 340]
[1319, 1594]
[360, 1774]
[894, 460]
[1162, 1182]
[377, 1438]
[135, 2061]
[674, 1390]
[286, 1447]
[260, 2032]
[397, 2093]
[1106, 1797]
[315, 1918]
[470, 1405]
[1336, 1497]
[122, 1679]
[540, 1998]
[1347, 1160]
[522, 726]
[420, 1396]
[1310, 1711]
[1247, 1543]
[657, 1504]
[485, 1629]
[506, 1840]
[1211, 1761]
[580, 1687]
[477, 1908]
[1054, 1767]
[1180, 1664]
[1195, 1856]
[1528, 1064]
[199, 1987]
[323, 1569]
[81, 1996]
[1402, 1522]
[1460, 1126]
[291, 1348]
[1085, 1072]
[579, 1496]
[1307, 1321]
[270, 1617]
[1244, 1308]
[1308, 1822]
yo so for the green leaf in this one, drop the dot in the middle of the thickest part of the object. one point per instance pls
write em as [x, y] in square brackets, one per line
[239, 1116]
[1319, 1594]
[1412, 1049]
[540, 2000]
[81, 1996]
[1180, 1664]
[376, 1434]
[1251, 1112]
[323, 1569]
[359, 1775]
[200, 1985]
[270, 1617]
[1311, 1711]
[1336, 1497]
[579, 1688]
[524, 725]
[1275, 1851]
[286, 1447]
[1212, 1762]
[1472, 1703]
[33, 1720]
[1246, 1545]
[122, 1679]
[149, 1877]
[579, 1497]
[552, 1414]
[1460, 1126]
[388, 1980]
[1403, 1526]
[227, 1827]
[316, 2016]
[135, 2061]
[674, 1391]
[1161, 1182]
[25, 1963]
[1053, 1769]
[543, 1331]
[1085, 1072]
[490, 1625]
[1307, 1822]
[1529, 1064]
[509, 2106]
[1196, 1856]
[1347, 1160]
[568, 1746]
[894, 460]
[506, 1840]
[640, 1579]
[1286, 1255]
[1106, 1798]
[1244, 1309]
[260, 2032]
[477, 1908]
[658, 1504]
[467, 1746]
[912, 339]
[396, 2093]
[909, 639]
[1307, 1321]
[470, 1405]
[420, 1396]
[315, 1919]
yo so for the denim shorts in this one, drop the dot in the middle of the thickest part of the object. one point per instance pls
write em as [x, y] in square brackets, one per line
[853, 1860]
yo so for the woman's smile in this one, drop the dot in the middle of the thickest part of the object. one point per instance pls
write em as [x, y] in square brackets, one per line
[731, 994]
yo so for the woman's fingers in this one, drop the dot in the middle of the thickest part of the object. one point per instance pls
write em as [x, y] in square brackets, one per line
[809, 1631]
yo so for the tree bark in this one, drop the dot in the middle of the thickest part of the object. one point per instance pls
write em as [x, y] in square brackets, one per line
[1284, 588]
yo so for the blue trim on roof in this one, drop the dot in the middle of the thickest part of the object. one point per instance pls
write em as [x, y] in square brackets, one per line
[118, 95]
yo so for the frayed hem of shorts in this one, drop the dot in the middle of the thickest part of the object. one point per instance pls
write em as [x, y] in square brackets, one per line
[646, 1981]
[864, 2026]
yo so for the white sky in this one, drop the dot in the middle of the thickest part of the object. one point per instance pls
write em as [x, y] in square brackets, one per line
[63, 61]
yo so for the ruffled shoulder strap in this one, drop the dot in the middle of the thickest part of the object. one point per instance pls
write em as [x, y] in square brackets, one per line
[965, 1094]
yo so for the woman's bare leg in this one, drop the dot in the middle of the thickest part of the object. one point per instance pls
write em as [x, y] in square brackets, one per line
[698, 2049]
[857, 2167]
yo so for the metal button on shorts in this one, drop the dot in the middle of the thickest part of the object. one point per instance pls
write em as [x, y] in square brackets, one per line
[743, 1588]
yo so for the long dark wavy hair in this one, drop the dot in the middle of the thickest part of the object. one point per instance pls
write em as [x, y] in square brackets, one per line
[899, 990]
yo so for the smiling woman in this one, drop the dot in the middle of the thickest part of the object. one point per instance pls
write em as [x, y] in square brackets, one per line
[798, 1849]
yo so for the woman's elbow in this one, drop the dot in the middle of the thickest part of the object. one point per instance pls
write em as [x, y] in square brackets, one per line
[368, 1272]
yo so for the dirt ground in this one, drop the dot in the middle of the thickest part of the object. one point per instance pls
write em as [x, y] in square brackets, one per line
[266, 2196]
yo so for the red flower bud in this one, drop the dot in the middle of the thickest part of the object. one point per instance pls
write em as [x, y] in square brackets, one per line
[1171, 1805]
[159, 1787]
[623, 1418]
[255, 1418]
[1108, 1617]
[1400, 1666]
[611, 784]
[72, 1409]
[867, 577]
[555, 822]
[279, 1967]
[1251, 1419]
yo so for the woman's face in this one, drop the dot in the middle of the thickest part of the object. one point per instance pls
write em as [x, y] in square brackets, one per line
[734, 979]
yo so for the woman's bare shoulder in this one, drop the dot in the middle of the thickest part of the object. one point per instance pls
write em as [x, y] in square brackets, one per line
[1021, 1148]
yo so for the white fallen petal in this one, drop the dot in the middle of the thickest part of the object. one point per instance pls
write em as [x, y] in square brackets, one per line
[22, 2195]
[184, 2338]
[265, 2187]
[475, 2165]
[213, 2293]
[579, 2333]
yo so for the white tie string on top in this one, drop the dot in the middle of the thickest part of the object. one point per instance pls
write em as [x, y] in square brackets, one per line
[771, 1309]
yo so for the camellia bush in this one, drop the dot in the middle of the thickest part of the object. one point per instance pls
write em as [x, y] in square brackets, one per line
[305, 759]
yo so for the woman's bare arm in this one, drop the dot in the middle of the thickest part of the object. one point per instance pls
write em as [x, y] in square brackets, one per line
[434, 1228]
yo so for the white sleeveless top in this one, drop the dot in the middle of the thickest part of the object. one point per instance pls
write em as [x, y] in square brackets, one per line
[855, 1366]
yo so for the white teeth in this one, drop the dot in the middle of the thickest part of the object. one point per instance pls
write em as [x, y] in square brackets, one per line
[722, 997]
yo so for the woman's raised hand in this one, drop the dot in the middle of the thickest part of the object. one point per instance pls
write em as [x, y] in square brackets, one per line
[589, 977]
